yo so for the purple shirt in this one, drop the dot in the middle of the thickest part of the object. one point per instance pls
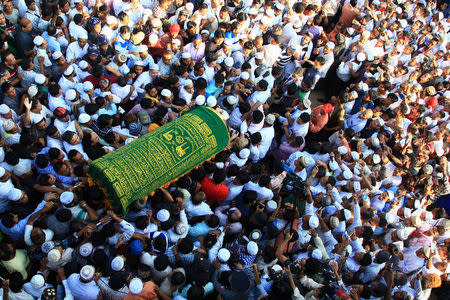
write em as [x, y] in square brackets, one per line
[196, 54]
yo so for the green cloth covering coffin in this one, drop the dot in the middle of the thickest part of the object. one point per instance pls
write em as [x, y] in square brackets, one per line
[137, 169]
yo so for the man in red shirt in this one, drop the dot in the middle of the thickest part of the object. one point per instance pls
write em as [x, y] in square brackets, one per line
[214, 188]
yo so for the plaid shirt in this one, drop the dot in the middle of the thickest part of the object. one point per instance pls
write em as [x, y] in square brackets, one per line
[108, 293]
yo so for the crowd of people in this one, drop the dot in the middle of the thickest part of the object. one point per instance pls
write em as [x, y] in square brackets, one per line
[334, 185]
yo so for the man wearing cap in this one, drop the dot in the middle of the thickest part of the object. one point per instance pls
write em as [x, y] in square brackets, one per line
[76, 50]
[196, 48]
[319, 117]
[83, 285]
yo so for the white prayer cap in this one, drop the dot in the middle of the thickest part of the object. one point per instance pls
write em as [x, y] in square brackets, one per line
[86, 249]
[330, 45]
[54, 255]
[427, 169]
[84, 118]
[14, 194]
[228, 42]
[376, 158]
[117, 263]
[153, 67]
[403, 23]
[252, 11]
[223, 255]
[83, 35]
[342, 150]
[181, 228]
[375, 142]
[156, 22]
[271, 205]
[200, 100]
[259, 55]
[361, 57]
[399, 10]
[66, 198]
[252, 248]
[244, 153]
[269, 119]
[71, 95]
[87, 272]
[166, 93]
[136, 286]
[163, 215]
[390, 218]
[83, 65]
[2, 172]
[32, 91]
[186, 55]
[69, 71]
[277, 268]
[37, 281]
[211, 101]
[39, 79]
[232, 100]
[57, 55]
[355, 155]
[334, 222]
[407, 212]
[347, 174]
[313, 222]
[189, 6]
[111, 20]
[317, 254]
[153, 39]
[47, 246]
[23, 167]
[402, 234]
[279, 6]
[38, 40]
[265, 20]
[245, 75]
[416, 221]
[347, 214]
[229, 61]
[4, 109]
[363, 86]
[333, 165]
[176, 42]
[398, 245]
[87, 86]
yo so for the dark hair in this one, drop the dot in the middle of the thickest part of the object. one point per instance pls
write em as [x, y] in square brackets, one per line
[161, 262]
[366, 260]
[63, 215]
[368, 233]
[78, 18]
[219, 176]
[41, 160]
[213, 221]
[117, 280]
[16, 282]
[8, 220]
[159, 243]
[257, 116]
[177, 278]
[264, 181]
[185, 246]
[141, 222]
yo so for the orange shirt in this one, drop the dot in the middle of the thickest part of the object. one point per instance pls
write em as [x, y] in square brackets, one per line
[152, 127]
[148, 293]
